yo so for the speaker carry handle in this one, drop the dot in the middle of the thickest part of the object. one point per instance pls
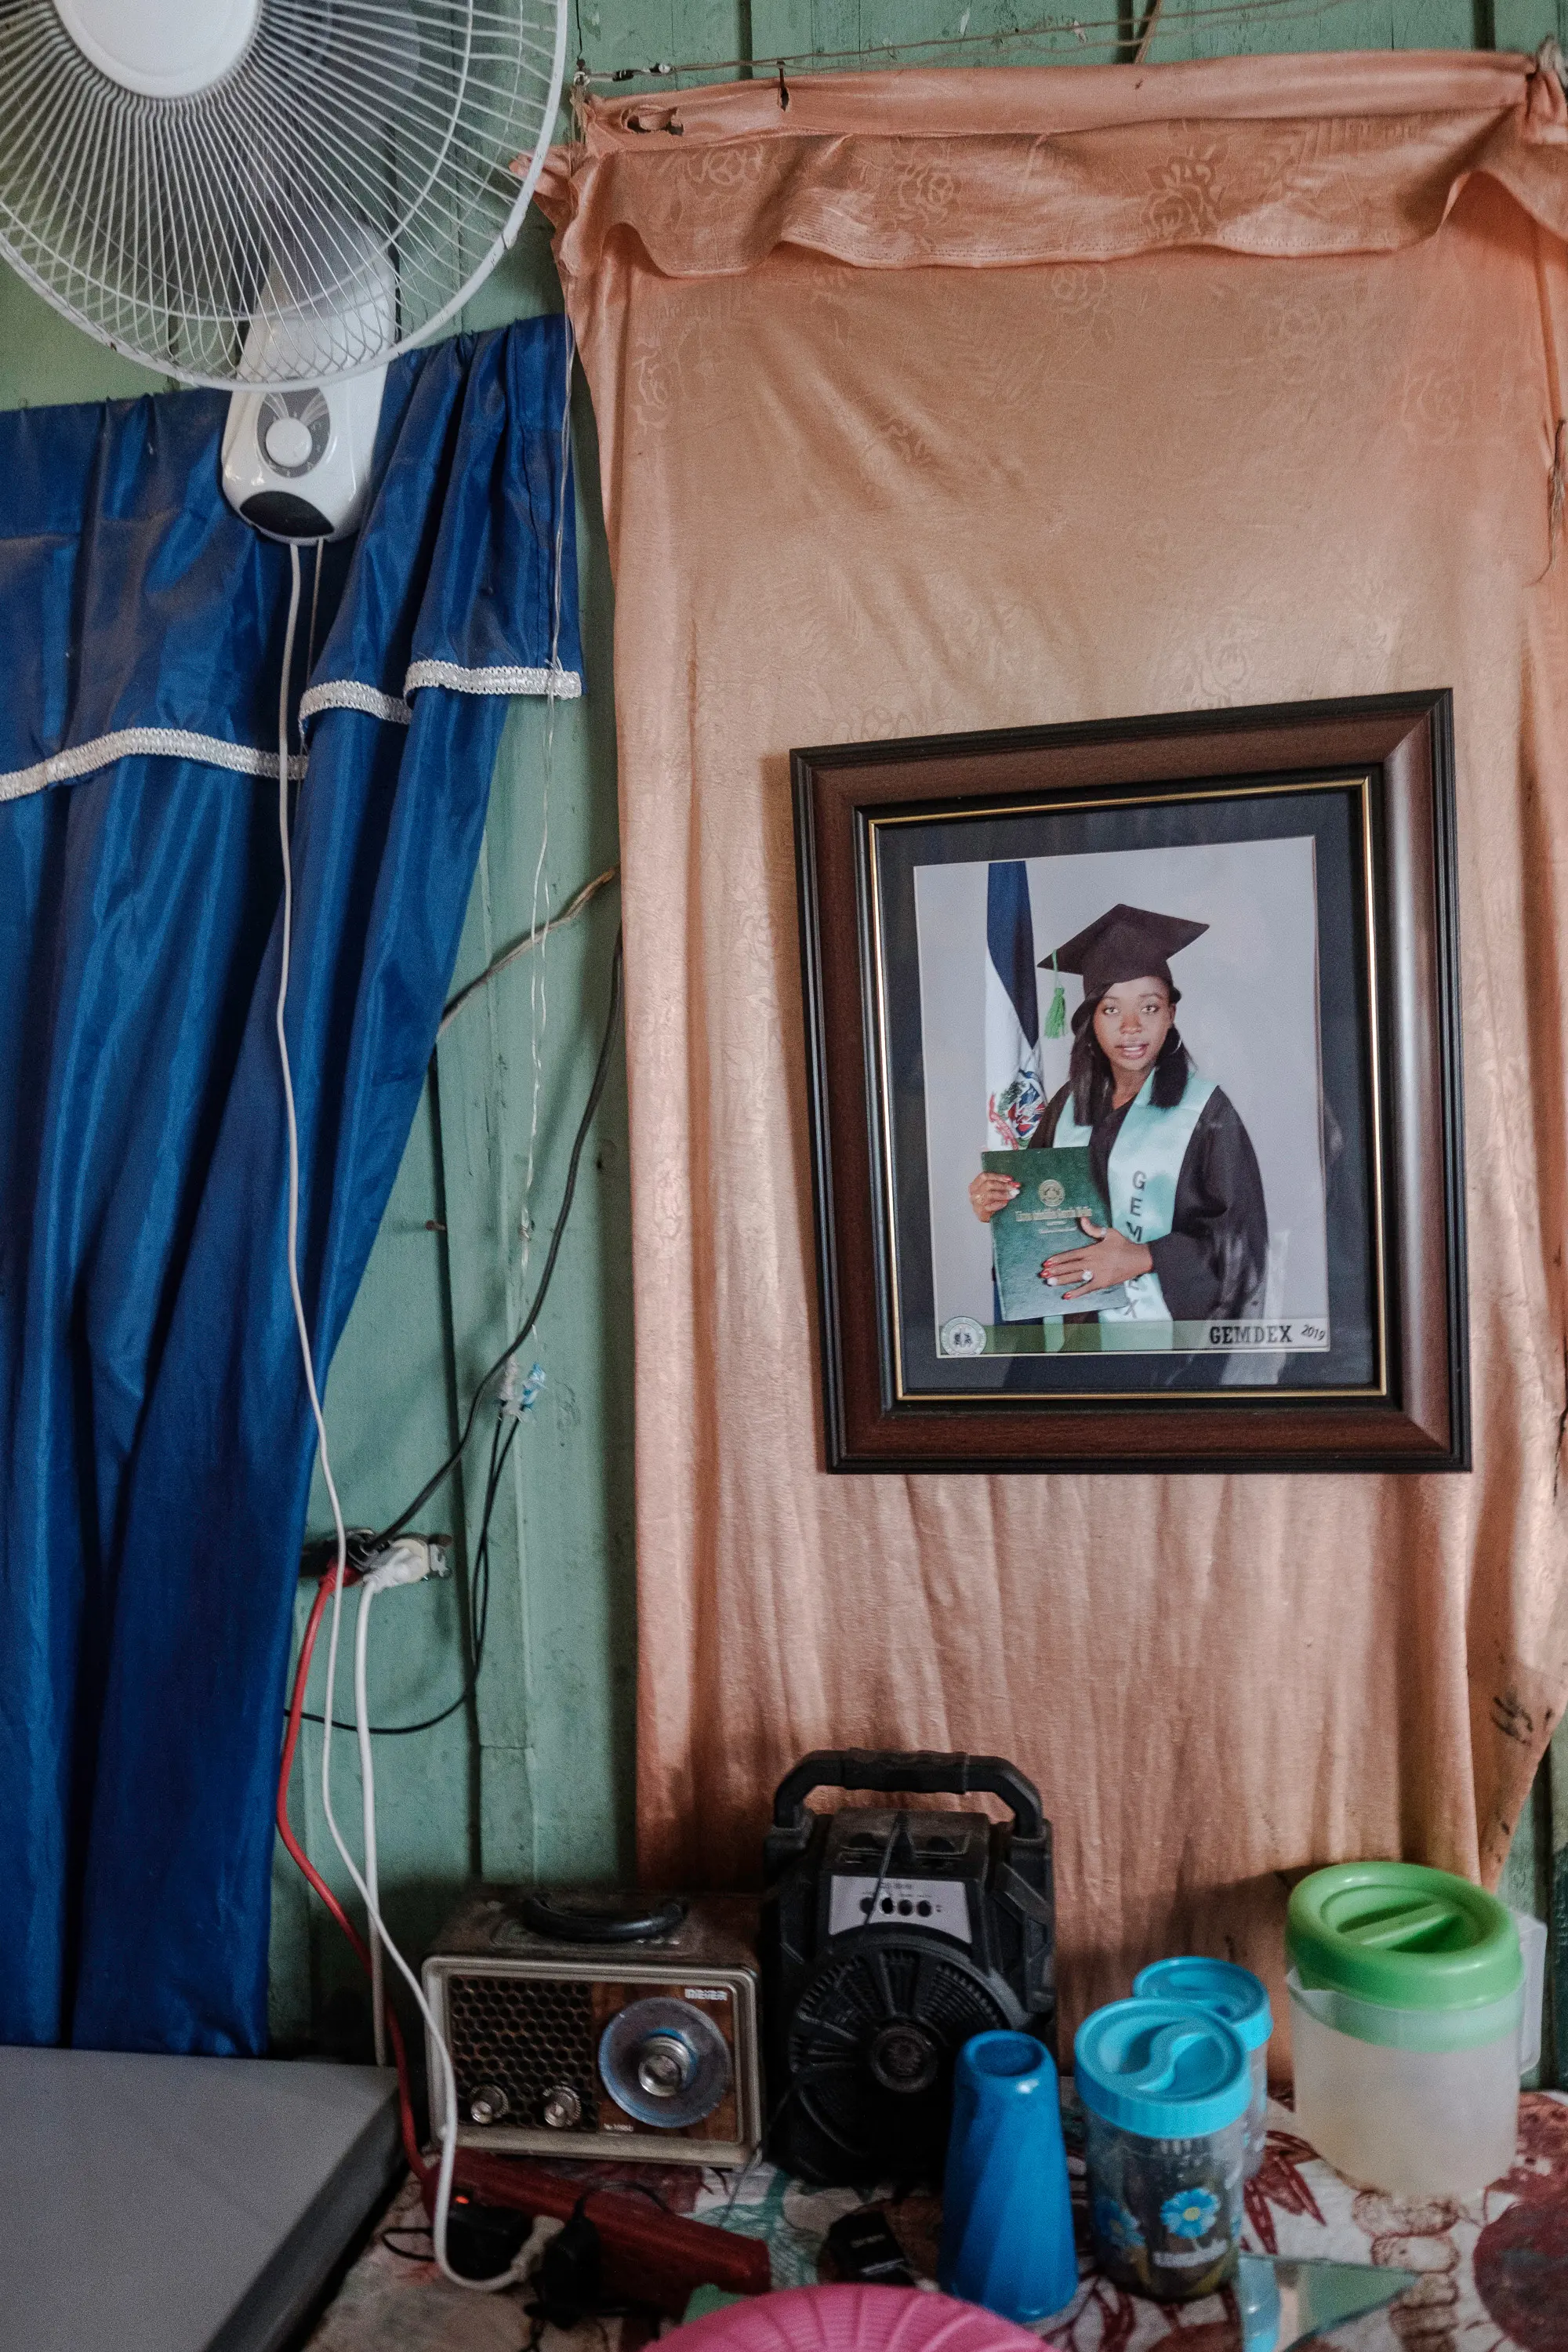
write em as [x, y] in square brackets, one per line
[923, 1773]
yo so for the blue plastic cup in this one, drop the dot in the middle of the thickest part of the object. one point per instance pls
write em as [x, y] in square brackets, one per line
[1007, 2216]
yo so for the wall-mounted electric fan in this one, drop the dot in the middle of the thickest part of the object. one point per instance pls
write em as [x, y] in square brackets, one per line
[272, 193]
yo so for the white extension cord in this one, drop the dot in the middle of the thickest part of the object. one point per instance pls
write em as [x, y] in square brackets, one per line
[407, 1561]
[379, 1938]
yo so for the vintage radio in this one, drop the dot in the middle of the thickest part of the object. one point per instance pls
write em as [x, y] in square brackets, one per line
[602, 2025]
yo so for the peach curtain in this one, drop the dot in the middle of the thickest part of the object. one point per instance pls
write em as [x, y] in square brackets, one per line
[960, 400]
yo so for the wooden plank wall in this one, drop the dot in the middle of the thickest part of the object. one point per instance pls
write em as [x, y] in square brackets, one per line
[533, 1778]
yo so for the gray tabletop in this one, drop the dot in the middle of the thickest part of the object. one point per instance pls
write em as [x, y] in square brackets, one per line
[180, 2204]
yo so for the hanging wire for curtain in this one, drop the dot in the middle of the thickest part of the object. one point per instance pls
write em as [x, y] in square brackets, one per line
[1125, 36]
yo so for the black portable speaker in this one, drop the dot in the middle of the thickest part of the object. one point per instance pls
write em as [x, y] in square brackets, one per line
[888, 1939]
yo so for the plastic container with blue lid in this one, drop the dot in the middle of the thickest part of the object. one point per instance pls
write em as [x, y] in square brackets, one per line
[1234, 1994]
[1165, 2086]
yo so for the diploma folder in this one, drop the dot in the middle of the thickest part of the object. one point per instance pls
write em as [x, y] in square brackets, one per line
[1055, 1188]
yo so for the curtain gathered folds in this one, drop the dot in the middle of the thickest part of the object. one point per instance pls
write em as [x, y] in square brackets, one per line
[158, 1440]
[958, 400]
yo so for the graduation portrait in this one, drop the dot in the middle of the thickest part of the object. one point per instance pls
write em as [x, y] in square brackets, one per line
[1124, 1135]
[1117, 1139]
[1136, 1053]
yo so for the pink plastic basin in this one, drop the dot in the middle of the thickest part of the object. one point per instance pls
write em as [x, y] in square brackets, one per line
[853, 2319]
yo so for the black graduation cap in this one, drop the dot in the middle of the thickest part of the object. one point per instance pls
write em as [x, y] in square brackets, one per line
[1127, 943]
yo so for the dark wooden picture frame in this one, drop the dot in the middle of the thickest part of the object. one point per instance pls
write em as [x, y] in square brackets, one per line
[1389, 760]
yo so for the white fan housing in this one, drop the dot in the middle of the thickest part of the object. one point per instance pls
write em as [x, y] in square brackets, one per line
[297, 464]
[162, 49]
[198, 183]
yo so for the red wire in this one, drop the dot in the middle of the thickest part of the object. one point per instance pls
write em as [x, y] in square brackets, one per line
[290, 1743]
[285, 1829]
[496, 2179]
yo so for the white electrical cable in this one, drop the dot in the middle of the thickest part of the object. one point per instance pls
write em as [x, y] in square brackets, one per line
[315, 600]
[407, 1562]
[373, 1908]
[538, 993]
[367, 1802]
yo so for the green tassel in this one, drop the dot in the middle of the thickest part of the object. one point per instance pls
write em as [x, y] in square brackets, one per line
[1057, 1018]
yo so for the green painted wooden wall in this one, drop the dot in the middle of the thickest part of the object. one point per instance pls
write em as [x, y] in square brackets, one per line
[533, 1779]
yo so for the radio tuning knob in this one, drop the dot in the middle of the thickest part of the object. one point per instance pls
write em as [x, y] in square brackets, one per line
[488, 2105]
[561, 2108]
[666, 2064]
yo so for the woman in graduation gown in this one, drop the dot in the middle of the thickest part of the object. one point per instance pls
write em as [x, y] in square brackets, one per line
[1189, 1233]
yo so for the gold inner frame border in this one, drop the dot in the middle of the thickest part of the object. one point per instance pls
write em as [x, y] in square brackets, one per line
[986, 1400]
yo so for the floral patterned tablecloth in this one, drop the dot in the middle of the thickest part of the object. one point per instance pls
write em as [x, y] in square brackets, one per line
[1493, 2272]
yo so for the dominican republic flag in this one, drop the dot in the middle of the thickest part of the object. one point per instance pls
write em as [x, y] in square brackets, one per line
[1014, 1094]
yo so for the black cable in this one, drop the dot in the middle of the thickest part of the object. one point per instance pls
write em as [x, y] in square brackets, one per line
[481, 1605]
[638, 2187]
[407, 2253]
[757, 2156]
[481, 1555]
[590, 1107]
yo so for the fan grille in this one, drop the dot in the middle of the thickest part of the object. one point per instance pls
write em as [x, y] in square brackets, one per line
[349, 127]
[846, 2004]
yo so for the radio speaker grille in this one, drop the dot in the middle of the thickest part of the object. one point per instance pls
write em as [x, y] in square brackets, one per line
[525, 2036]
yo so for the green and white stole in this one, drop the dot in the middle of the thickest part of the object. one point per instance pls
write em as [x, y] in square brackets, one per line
[1145, 1163]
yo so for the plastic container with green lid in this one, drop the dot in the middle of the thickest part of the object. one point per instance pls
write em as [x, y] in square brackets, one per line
[1407, 1989]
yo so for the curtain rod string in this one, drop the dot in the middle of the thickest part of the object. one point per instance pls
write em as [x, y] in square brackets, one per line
[1116, 33]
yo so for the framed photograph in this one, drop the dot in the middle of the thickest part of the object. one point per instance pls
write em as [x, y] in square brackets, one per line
[1133, 1055]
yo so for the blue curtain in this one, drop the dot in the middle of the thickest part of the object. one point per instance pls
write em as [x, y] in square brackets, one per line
[158, 1442]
